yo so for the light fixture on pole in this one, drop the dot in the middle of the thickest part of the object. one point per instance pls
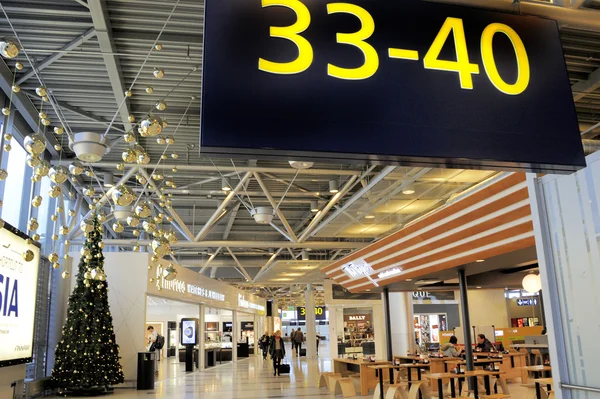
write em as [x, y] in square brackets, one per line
[314, 206]
[333, 186]
[225, 184]
[109, 180]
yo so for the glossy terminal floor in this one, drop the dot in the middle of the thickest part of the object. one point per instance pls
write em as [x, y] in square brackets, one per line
[252, 378]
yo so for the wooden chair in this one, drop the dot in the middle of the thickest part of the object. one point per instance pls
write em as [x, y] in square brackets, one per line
[538, 360]
[333, 380]
[345, 387]
[396, 391]
[494, 396]
[417, 386]
[324, 379]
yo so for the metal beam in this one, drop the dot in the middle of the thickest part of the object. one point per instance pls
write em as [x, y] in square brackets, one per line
[106, 197]
[209, 180]
[585, 87]
[83, 3]
[231, 220]
[175, 38]
[275, 206]
[283, 233]
[102, 25]
[247, 244]
[88, 115]
[25, 107]
[268, 264]
[237, 262]
[40, 66]
[219, 212]
[212, 257]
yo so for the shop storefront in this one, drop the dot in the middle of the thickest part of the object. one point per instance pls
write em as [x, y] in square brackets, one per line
[433, 313]
[293, 318]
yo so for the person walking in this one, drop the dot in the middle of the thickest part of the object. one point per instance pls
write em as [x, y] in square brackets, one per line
[264, 342]
[277, 351]
[292, 341]
[298, 339]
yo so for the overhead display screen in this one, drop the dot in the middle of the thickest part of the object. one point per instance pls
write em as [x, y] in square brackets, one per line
[320, 313]
[19, 263]
[390, 81]
[189, 328]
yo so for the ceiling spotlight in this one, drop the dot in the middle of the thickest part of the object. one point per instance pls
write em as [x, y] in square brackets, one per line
[314, 206]
[305, 255]
[301, 164]
[225, 184]
[480, 260]
[478, 287]
[333, 187]
[109, 180]
[370, 216]
[408, 190]
[271, 251]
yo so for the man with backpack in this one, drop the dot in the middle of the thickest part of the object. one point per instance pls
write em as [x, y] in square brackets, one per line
[297, 341]
[264, 342]
[156, 342]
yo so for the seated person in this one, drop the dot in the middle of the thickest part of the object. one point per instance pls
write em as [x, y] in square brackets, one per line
[449, 348]
[484, 344]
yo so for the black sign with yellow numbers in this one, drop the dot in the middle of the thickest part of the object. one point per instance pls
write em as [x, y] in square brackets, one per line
[320, 313]
[391, 81]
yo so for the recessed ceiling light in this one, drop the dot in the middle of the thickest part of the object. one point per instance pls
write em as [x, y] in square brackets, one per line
[408, 279]
[478, 287]
[314, 206]
[367, 290]
[480, 260]
[369, 216]
[109, 180]
[408, 191]
[225, 184]
[333, 186]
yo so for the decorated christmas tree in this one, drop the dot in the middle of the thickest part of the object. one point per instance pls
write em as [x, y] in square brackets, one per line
[87, 357]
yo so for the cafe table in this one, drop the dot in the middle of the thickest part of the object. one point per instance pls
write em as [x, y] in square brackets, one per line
[537, 371]
[379, 368]
[411, 366]
[538, 386]
[460, 377]
[360, 366]
[477, 363]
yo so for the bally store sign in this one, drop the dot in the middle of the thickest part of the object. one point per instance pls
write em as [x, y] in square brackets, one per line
[395, 81]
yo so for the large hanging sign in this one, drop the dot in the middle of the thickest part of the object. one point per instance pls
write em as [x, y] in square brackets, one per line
[19, 263]
[391, 81]
[320, 313]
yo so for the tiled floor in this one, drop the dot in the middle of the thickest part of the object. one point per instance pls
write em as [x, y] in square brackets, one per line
[251, 378]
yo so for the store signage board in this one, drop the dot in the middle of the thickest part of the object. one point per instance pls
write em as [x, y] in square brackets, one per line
[244, 303]
[527, 302]
[357, 317]
[390, 81]
[183, 287]
[18, 290]
[433, 296]
[320, 313]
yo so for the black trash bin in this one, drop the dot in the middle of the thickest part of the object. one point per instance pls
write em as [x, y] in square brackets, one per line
[145, 370]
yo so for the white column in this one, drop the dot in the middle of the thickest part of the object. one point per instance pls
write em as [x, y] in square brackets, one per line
[400, 315]
[202, 334]
[335, 329]
[257, 335]
[311, 336]
[379, 333]
[235, 335]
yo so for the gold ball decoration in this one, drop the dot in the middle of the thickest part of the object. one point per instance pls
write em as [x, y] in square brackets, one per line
[59, 130]
[136, 233]
[46, 122]
[35, 144]
[141, 179]
[96, 274]
[128, 138]
[154, 259]
[58, 147]
[64, 230]
[8, 137]
[122, 195]
[151, 126]
[118, 227]
[54, 191]
[66, 274]
[71, 213]
[87, 275]
[3, 174]
[87, 225]
[5, 111]
[161, 105]
[19, 66]
[45, 99]
[36, 178]
[169, 218]
[101, 245]
[172, 237]
[9, 49]
[131, 118]
[121, 166]
[33, 224]
[28, 255]
[128, 93]
[174, 155]
[164, 124]
[136, 248]
[89, 173]
[160, 246]
[170, 140]
[76, 168]
[160, 140]
[58, 174]
[159, 73]
[36, 201]
[7, 147]
[42, 169]
[53, 257]
[149, 90]
[164, 157]
[157, 176]
[158, 47]
[16, 88]
[35, 237]
[41, 91]
[54, 217]
[42, 115]
[170, 273]
[89, 192]
[32, 161]
[143, 210]
[101, 217]
[174, 170]
[149, 227]
[133, 221]
[143, 158]
[129, 156]
[56, 265]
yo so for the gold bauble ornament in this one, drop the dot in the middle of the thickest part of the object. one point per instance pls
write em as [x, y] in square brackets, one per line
[84, 252]
[149, 90]
[164, 157]
[33, 224]
[54, 217]
[170, 273]
[28, 255]
[76, 168]
[157, 176]
[129, 155]
[58, 174]
[56, 265]
[160, 140]
[151, 126]
[142, 133]
[158, 47]
[136, 248]
[66, 274]
[36, 201]
[174, 170]
[133, 221]
[118, 227]
[35, 144]
[131, 118]
[122, 195]
[19, 66]
[87, 275]
[169, 218]
[148, 226]
[46, 122]
[174, 155]
[54, 191]
[64, 230]
[71, 213]
[172, 237]
[45, 99]
[143, 210]
[9, 48]
[41, 91]
[101, 245]
[101, 217]
[120, 166]
[35, 237]
[54, 237]
[136, 232]
[159, 73]
[128, 93]
[87, 225]
[5, 111]
[151, 279]
[161, 105]
[42, 169]
[143, 158]
[141, 179]
[42, 115]
[59, 130]
[16, 89]
[53, 257]
[3, 174]
[89, 173]
[8, 137]
[128, 138]
[58, 147]
[170, 140]
[89, 192]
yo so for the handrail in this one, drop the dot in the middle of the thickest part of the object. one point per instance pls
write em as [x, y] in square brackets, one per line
[580, 388]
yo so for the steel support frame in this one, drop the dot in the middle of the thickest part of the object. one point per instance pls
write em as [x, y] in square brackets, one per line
[290, 232]
[242, 269]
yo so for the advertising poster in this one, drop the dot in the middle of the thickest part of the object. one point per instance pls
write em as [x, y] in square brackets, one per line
[188, 331]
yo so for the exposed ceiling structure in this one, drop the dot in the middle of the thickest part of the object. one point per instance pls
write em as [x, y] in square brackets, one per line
[90, 52]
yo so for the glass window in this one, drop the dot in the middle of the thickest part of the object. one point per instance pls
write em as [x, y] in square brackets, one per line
[13, 188]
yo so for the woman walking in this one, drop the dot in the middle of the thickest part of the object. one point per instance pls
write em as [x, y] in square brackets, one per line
[277, 351]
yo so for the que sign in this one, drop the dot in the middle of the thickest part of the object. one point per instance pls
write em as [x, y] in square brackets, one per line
[410, 81]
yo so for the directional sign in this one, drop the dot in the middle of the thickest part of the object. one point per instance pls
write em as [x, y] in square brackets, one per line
[527, 302]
